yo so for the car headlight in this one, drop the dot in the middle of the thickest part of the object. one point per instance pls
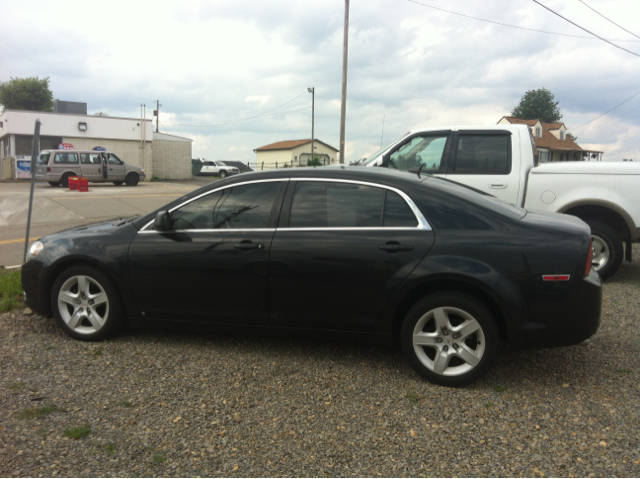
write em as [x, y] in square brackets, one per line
[34, 250]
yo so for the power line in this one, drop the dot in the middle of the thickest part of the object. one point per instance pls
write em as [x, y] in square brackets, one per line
[183, 126]
[608, 19]
[510, 26]
[582, 28]
[607, 112]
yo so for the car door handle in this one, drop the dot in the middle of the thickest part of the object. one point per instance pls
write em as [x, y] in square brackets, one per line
[498, 185]
[247, 246]
[393, 247]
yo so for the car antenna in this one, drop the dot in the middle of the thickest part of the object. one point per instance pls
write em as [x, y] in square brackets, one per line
[420, 169]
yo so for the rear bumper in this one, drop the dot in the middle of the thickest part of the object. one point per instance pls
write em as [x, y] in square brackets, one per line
[566, 318]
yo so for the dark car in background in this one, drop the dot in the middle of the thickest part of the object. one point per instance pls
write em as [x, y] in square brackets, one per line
[356, 253]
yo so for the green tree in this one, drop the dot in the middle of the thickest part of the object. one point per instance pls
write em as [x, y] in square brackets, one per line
[538, 104]
[31, 94]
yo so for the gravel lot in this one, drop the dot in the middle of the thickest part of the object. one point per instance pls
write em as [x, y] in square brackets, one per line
[183, 404]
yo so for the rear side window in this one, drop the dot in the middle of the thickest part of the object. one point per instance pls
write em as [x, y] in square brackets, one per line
[483, 155]
[318, 204]
[238, 207]
[90, 158]
[65, 158]
[43, 159]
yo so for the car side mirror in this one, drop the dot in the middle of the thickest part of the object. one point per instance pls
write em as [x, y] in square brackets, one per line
[162, 221]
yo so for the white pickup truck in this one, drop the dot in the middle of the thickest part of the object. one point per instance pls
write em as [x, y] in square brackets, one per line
[500, 160]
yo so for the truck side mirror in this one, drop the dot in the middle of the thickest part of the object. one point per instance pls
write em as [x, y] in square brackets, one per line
[162, 221]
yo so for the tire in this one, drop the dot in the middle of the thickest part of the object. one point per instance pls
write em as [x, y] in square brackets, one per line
[607, 249]
[118, 183]
[132, 179]
[64, 181]
[55, 184]
[93, 316]
[429, 342]
[223, 175]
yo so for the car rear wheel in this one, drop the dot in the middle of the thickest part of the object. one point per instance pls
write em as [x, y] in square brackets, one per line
[132, 179]
[86, 305]
[54, 183]
[223, 175]
[64, 181]
[607, 249]
[450, 338]
[118, 183]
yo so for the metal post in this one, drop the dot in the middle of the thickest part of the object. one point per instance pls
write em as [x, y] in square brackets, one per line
[312, 90]
[35, 152]
[157, 115]
[345, 54]
[262, 166]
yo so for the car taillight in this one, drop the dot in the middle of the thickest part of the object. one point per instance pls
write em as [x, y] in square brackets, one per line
[48, 169]
[587, 267]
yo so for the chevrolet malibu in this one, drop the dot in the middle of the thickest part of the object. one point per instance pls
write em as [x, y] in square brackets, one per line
[368, 254]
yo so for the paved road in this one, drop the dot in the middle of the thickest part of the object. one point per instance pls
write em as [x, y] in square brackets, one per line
[55, 209]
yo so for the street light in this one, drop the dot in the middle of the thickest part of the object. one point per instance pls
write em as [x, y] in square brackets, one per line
[312, 90]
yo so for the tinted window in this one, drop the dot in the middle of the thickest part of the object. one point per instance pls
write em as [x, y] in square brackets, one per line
[238, 207]
[482, 154]
[418, 151]
[114, 160]
[330, 205]
[90, 158]
[397, 212]
[65, 158]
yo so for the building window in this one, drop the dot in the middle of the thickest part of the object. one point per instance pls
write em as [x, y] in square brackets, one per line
[561, 135]
[543, 156]
[538, 132]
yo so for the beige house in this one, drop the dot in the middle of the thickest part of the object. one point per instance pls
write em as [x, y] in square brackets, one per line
[552, 142]
[291, 153]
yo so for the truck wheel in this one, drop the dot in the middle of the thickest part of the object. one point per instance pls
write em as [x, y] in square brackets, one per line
[607, 248]
[450, 338]
[64, 181]
[117, 183]
[223, 175]
[54, 183]
[131, 179]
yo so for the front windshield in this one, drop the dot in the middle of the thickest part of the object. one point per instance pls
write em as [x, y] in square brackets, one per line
[373, 157]
[221, 163]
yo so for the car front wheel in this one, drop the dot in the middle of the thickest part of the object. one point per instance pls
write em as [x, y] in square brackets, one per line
[450, 338]
[86, 305]
[223, 175]
[132, 179]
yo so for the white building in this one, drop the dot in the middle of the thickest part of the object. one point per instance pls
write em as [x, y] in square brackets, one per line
[132, 139]
[294, 153]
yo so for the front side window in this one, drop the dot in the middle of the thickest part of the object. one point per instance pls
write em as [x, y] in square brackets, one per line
[65, 158]
[327, 204]
[237, 207]
[114, 160]
[482, 155]
[420, 150]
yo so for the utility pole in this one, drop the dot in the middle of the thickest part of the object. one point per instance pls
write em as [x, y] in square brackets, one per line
[345, 55]
[157, 113]
[312, 90]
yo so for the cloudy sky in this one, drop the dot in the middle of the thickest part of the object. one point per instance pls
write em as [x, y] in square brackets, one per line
[233, 74]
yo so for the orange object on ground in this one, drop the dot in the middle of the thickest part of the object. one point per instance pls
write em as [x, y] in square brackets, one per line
[73, 182]
[83, 184]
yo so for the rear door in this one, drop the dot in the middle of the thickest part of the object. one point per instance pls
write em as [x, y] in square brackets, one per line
[483, 160]
[342, 249]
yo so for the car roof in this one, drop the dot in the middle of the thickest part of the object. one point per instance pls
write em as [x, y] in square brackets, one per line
[75, 151]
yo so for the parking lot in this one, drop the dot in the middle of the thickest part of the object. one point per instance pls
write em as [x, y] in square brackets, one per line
[159, 403]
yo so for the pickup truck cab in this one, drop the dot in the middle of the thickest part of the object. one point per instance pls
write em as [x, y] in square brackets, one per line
[500, 160]
[218, 168]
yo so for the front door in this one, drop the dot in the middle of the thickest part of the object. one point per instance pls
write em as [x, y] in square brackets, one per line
[341, 252]
[213, 264]
[116, 167]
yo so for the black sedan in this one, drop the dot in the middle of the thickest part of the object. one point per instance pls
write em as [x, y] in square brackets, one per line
[366, 254]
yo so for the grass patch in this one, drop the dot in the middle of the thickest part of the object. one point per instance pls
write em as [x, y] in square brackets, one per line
[155, 178]
[623, 371]
[49, 347]
[77, 432]
[158, 458]
[126, 404]
[42, 433]
[489, 405]
[500, 389]
[10, 291]
[38, 412]
[414, 397]
[97, 352]
[111, 448]
[17, 386]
